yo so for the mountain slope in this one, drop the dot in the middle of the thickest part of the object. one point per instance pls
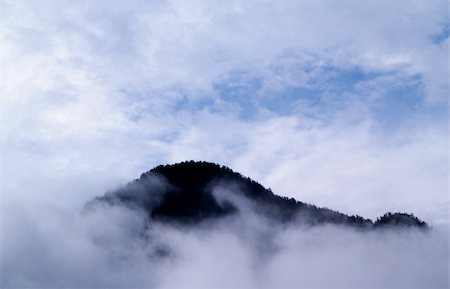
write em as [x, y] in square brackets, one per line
[192, 192]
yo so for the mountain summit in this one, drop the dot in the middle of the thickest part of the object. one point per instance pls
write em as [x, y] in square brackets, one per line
[191, 192]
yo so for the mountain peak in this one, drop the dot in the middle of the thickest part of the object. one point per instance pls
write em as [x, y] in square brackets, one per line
[195, 191]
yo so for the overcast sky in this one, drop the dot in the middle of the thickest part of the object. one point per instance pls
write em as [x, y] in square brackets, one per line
[341, 104]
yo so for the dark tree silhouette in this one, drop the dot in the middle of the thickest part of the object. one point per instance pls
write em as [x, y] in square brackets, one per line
[183, 193]
[399, 219]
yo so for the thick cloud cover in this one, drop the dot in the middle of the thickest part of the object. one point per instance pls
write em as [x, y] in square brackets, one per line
[341, 104]
[107, 246]
[347, 98]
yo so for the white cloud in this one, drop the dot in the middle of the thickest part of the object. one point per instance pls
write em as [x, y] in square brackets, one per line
[104, 247]
[89, 94]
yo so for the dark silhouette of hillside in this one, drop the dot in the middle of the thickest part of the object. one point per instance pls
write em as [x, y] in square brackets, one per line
[191, 192]
[399, 219]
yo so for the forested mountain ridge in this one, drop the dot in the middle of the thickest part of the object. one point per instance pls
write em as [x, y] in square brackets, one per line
[191, 192]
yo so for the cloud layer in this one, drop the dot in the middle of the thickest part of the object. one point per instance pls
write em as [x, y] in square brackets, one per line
[351, 94]
[341, 104]
[116, 247]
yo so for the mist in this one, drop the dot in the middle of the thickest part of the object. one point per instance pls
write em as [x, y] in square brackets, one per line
[115, 246]
[340, 104]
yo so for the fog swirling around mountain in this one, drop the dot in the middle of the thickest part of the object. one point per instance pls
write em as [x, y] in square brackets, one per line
[201, 225]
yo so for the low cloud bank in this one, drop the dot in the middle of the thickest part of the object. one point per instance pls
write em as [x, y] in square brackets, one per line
[107, 246]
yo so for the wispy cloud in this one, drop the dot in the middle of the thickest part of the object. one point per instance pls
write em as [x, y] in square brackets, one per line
[339, 103]
[114, 246]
